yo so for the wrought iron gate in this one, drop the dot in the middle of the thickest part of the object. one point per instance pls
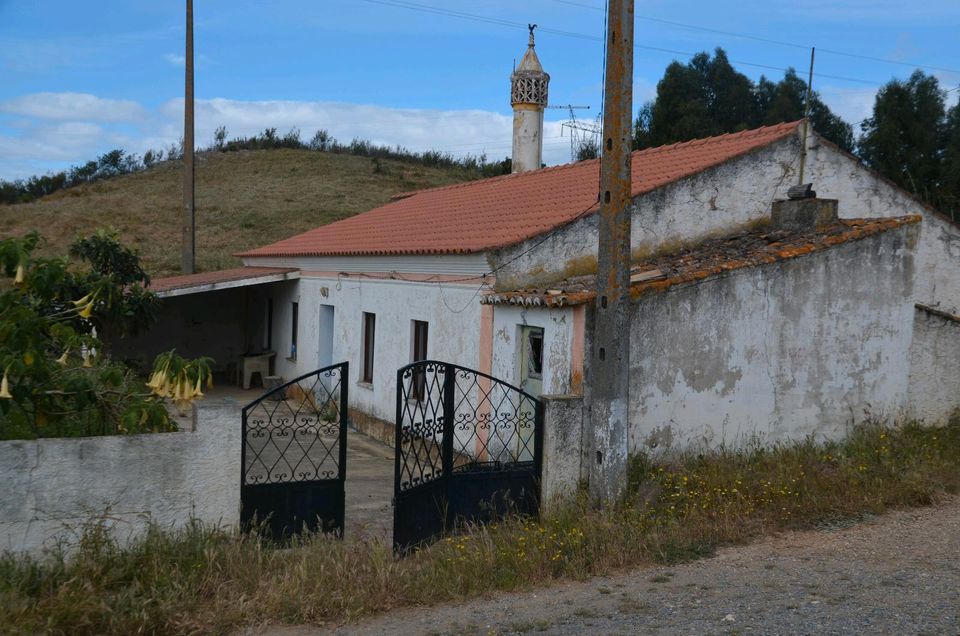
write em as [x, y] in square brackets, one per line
[468, 448]
[294, 455]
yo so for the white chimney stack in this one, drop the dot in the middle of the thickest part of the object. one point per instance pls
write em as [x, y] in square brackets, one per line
[528, 96]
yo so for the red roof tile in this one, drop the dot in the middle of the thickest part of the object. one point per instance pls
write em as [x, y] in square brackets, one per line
[203, 279]
[479, 215]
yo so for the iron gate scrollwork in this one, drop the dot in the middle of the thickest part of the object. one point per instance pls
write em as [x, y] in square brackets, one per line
[468, 449]
[294, 455]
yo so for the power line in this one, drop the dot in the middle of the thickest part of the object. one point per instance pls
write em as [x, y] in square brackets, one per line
[403, 4]
[767, 40]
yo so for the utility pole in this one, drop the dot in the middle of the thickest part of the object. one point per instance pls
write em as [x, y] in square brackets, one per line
[610, 358]
[188, 250]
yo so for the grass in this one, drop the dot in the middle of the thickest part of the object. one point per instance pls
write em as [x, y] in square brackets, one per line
[207, 580]
[244, 200]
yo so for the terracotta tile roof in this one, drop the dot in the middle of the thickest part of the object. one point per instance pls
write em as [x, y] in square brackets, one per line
[480, 215]
[248, 275]
[710, 258]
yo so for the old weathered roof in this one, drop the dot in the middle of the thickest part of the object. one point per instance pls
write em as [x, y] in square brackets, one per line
[221, 279]
[491, 213]
[710, 258]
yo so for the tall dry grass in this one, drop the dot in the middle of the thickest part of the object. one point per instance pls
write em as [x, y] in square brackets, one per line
[202, 580]
[244, 200]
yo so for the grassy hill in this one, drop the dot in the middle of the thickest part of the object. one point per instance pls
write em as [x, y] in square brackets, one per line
[244, 199]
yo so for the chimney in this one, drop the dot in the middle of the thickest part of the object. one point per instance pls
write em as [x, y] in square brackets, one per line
[802, 211]
[528, 96]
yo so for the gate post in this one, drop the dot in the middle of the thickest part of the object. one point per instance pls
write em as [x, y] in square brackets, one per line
[562, 454]
[449, 390]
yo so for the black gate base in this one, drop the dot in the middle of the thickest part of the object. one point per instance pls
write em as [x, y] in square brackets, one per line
[468, 450]
[294, 455]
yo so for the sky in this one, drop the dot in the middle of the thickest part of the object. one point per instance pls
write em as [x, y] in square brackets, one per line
[80, 78]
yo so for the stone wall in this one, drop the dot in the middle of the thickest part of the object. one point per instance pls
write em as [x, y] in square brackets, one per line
[52, 487]
[801, 347]
[934, 366]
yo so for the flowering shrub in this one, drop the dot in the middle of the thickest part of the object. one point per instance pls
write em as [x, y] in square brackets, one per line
[56, 380]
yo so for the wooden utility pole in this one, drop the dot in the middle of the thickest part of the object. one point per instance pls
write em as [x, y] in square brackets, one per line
[610, 358]
[188, 250]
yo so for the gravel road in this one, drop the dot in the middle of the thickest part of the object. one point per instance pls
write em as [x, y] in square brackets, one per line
[895, 574]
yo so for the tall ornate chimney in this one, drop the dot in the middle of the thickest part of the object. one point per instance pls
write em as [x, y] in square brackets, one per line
[528, 96]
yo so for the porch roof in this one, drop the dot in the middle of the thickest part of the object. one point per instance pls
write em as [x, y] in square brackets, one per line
[221, 279]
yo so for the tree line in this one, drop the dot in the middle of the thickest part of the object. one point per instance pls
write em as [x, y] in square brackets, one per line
[118, 162]
[912, 137]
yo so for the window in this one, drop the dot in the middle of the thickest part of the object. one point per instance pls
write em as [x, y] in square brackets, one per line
[420, 331]
[268, 334]
[294, 327]
[369, 327]
[535, 353]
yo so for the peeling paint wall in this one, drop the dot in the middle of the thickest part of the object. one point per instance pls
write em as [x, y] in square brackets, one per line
[52, 487]
[934, 367]
[863, 193]
[777, 352]
[557, 327]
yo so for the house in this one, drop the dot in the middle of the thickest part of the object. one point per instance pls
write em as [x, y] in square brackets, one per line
[732, 338]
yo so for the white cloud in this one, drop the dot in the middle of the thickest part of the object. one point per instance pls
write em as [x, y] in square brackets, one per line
[176, 60]
[851, 104]
[74, 106]
[48, 136]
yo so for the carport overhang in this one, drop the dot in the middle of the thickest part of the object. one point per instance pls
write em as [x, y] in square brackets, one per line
[188, 284]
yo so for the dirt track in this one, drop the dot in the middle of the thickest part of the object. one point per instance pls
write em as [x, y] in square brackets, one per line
[896, 574]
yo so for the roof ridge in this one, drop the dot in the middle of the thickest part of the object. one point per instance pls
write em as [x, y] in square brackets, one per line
[571, 164]
[751, 132]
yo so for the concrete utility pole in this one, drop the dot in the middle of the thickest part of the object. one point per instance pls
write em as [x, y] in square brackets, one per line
[188, 251]
[610, 358]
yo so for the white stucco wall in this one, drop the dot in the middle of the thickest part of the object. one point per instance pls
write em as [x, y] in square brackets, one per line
[778, 352]
[451, 309]
[52, 487]
[557, 327]
[864, 193]
[934, 367]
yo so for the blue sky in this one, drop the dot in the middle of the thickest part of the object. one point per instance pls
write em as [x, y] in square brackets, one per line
[79, 78]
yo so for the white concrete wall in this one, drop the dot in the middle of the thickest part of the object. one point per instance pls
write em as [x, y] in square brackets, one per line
[557, 327]
[778, 352]
[52, 487]
[451, 309]
[934, 367]
[863, 193]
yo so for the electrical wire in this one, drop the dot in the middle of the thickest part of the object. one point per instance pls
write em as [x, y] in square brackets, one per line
[413, 6]
[767, 40]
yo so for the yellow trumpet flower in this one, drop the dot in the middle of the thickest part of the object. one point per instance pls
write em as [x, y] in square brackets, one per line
[62, 360]
[86, 311]
[87, 361]
[21, 274]
[197, 393]
[82, 301]
[5, 388]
